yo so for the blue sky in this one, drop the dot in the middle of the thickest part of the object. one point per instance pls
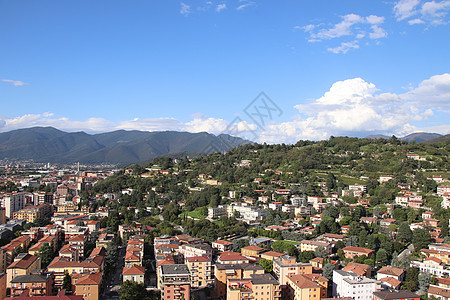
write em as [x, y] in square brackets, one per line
[329, 67]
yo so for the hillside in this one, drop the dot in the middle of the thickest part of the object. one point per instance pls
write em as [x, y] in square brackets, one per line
[441, 139]
[420, 137]
[47, 144]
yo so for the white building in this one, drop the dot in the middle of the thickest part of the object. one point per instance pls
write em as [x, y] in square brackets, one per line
[216, 212]
[13, 203]
[348, 284]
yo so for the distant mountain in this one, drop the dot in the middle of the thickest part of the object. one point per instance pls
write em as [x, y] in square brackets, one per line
[441, 139]
[413, 137]
[377, 136]
[47, 144]
[420, 137]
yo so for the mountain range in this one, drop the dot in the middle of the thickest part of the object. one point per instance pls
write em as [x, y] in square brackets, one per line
[48, 144]
[413, 137]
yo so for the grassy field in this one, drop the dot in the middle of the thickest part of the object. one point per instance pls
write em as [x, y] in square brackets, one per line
[288, 242]
[194, 214]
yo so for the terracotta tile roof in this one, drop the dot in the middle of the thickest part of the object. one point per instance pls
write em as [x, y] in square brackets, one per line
[229, 255]
[90, 279]
[59, 262]
[222, 242]
[391, 281]
[134, 270]
[78, 238]
[23, 263]
[67, 249]
[357, 249]
[389, 270]
[302, 282]
[198, 259]
[273, 254]
[440, 291]
[132, 256]
[359, 269]
[435, 259]
[252, 248]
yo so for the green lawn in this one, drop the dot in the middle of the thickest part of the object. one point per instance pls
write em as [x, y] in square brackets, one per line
[194, 214]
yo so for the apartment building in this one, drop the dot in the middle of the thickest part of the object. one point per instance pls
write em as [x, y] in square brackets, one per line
[225, 272]
[201, 270]
[287, 265]
[174, 281]
[258, 287]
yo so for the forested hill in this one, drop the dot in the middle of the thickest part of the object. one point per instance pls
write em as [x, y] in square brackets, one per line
[47, 144]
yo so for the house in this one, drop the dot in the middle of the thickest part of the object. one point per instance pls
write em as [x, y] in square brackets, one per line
[389, 271]
[312, 245]
[271, 255]
[352, 251]
[300, 287]
[320, 262]
[23, 264]
[37, 283]
[248, 288]
[134, 273]
[433, 266]
[389, 283]
[439, 292]
[229, 257]
[190, 250]
[387, 222]
[222, 246]
[358, 269]
[88, 285]
[60, 296]
[395, 295]
[253, 251]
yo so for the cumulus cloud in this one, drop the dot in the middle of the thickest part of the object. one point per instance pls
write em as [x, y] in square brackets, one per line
[14, 82]
[354, 106]
[405, 8]
[422, 12]
[351, 26]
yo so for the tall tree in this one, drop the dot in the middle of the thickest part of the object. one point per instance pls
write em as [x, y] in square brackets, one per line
[131, 290]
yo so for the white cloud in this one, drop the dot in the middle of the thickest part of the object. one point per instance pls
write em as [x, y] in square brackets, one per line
[14, 82]
[422, 12]
[245, 4]
[221, 7]
[404, 9]
[355, 107]
[351, 25]
[344, 47]
[185, 9]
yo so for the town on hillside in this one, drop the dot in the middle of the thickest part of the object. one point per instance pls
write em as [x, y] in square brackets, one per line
[344, 218]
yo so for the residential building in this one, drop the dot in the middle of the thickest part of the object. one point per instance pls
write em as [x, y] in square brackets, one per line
[352, 251]
[253, 251]
[31, 213]
[389, 271]
[13, 202]
[349, 284]
[60, 296]
[225, 272]
[258, 287]
[216, 212]
[88, 285]
[395, 295]
[191, 250]
[287, 265]
[358, 269]
[134, 273]
[229, 257]
[37, 283]
[222, 246]
[201, 270]
[312, 245]
[271, 255]
[23, 264]
[174, 281]
[439, 292]
[300, 287]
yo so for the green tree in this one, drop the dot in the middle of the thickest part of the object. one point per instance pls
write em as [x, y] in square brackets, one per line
[404, 232]
[131, 290]
[67, 282]
[328, 271]
[424, 280]
[421, 239]
[46, 255]
[266, 264]
[382, 257]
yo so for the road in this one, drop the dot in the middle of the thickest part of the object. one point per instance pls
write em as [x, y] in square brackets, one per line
[113, 286]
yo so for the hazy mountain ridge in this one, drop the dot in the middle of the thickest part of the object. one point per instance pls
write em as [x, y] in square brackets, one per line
[413, 137]
[48, 144]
